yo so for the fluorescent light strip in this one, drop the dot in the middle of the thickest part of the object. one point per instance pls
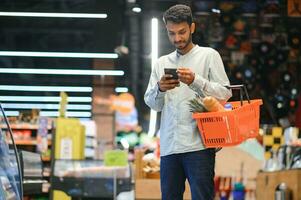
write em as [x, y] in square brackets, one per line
[45, 88]
[62, 71]
[153, 114]
[44, 99]
[154, 40]
[11, 113]
[68, 114]
[45, 106]
[53, 114]
[63, 15]
[136, 9]
[121, 89]
[58, 54]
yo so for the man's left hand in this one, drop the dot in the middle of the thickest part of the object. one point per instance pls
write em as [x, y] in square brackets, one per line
[185, 75]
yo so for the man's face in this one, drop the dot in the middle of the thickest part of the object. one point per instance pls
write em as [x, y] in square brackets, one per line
[179, 34]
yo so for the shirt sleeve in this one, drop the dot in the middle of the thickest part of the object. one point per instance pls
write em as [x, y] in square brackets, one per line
[216, 82]
[153, 97]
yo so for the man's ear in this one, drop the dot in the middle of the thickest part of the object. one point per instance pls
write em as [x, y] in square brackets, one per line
[192, 27]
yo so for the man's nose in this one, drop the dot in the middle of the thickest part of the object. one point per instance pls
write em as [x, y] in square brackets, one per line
[177, 38]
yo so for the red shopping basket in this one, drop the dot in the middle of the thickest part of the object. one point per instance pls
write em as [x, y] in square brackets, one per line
[228, 128]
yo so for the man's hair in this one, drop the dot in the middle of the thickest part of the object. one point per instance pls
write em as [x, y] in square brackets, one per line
[177, 14]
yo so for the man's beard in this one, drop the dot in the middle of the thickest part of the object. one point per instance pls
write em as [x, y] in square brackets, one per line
[186, 44]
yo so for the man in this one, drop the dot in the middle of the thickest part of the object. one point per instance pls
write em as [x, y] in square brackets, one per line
[200, 70]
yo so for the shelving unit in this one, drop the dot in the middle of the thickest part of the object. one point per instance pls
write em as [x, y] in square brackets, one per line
[24, 126]
[268, 181]
[147, 185]
[90, 139]
[9, 176]
[82, 179]
[26, 138]
[28, 142]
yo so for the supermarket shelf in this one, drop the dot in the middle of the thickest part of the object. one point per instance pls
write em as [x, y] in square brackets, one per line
[23, 126]
[35, 186]
[90, 187]
[28, 142]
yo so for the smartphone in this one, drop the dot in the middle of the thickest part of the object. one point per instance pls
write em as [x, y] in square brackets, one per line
[172, 71]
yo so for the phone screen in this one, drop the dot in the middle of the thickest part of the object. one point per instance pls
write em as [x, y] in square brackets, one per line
[172, 71]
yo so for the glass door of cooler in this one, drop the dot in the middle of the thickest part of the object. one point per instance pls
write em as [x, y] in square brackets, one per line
[91, 179]
[10, 180]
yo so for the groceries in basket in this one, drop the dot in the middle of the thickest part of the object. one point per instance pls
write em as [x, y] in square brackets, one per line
[212, 105]
[196, 105]
[226, 126]
[206, 104]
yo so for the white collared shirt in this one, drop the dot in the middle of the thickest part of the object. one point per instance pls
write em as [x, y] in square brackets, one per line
[178, 130]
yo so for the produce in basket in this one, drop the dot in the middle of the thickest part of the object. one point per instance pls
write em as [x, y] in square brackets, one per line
[212, 104]
[196, 105]
[206, 104]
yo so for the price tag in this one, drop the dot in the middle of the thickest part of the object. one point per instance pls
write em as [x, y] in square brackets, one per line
[66, 148]
[115, 158]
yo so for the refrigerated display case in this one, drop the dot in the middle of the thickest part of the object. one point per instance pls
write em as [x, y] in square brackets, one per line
[90, 179]
[10, 176]
[33, 179]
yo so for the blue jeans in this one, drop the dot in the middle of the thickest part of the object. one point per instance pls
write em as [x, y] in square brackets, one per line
[197, 167]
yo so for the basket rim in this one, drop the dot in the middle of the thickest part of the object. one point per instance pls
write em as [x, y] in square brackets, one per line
[254, 102]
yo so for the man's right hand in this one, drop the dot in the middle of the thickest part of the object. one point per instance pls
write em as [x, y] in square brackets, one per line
[166, 83]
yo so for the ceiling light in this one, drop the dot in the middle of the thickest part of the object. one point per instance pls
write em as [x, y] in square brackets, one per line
[58, 54]
[121, 89]
[136, 9]
[45, 106]
[63, 15]
[52, 114]
[45, 88]
[218, 11]
[62, 71]
[121, 50]
[153, 113]
[154, 41]
[44, 99]
[11, 113]
[68, 114]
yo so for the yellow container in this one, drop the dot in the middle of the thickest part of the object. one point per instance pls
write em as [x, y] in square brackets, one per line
[69, 139]
[69, 144]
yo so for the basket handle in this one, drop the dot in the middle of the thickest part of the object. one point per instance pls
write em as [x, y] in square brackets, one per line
[241, 88]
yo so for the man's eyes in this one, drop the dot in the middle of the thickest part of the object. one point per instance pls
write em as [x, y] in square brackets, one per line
[180, 33]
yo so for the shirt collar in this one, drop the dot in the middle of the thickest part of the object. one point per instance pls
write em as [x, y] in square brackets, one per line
[189, 52]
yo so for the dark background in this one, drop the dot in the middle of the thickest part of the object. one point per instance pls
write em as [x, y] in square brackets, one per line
[272, 75]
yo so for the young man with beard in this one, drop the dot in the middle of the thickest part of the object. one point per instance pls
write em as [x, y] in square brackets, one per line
[200, 70]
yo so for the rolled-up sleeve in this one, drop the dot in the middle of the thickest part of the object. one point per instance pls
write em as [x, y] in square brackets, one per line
[218, 79]
[153, 97]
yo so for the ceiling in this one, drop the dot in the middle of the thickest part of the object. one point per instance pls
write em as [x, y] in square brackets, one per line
[121, 27]
[57, 35]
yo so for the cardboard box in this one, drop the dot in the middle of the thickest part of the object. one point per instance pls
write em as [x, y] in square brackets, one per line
[149, 189]
[147, 185]
[268, 181]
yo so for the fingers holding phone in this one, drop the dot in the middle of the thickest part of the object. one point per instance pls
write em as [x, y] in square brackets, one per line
[171, 71]
[185, 75]
[169, 80]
